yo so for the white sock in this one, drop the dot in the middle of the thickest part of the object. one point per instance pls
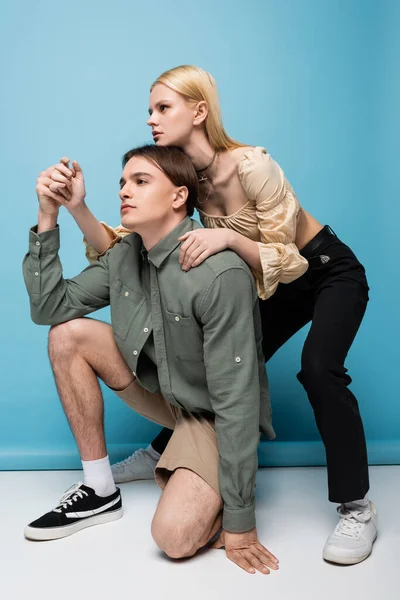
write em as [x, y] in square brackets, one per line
[97, 475]
[362, 504]
[153, 453]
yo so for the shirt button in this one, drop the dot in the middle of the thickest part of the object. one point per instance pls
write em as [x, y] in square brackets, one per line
[135, 352]
[238, 359]
[177, 318]
[146, 330]
[126, 293]
[36, 274]
[37, 243]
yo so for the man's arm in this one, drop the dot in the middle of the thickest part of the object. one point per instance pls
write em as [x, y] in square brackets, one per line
[232, 368]
[69, 186]
[54, 299]
[233, 375]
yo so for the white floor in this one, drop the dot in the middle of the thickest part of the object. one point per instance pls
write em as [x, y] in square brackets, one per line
[120, 560]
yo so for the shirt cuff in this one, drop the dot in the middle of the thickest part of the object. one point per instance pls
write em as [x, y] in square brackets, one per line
[239, 520]
[45, 242]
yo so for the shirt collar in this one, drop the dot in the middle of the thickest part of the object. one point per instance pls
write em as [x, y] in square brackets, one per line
[168, 244]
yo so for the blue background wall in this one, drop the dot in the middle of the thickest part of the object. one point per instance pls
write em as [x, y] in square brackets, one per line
[313, 81]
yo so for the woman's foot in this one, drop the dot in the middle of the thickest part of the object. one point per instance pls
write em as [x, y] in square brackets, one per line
[139, 465]
[354, 535]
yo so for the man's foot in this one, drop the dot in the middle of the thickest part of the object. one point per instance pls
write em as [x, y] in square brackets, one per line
[139, 465]
[78, 508]
[352, 540]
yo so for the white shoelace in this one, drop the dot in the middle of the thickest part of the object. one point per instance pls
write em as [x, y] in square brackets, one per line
[71, 495]
[130, 459]
[351, 521]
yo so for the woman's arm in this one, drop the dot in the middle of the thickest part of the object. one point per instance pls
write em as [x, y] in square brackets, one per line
[201, 243]
[96, 235]
[276, 208]
[246, 248]
[275, 258]
[69, 185]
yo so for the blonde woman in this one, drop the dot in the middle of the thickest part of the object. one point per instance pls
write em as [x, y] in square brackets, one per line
[304, 273]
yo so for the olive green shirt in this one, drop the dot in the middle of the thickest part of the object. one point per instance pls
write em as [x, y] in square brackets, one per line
[202, 327]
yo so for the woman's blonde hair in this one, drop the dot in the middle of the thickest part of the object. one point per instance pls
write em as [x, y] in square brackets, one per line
[196, 85]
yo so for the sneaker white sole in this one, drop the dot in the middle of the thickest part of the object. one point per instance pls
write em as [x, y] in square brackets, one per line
[55, 533]
[347, 560]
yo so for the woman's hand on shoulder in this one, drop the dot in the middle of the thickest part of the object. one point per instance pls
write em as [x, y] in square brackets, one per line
[202, 243]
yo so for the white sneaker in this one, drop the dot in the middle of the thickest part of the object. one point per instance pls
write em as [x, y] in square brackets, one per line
[352, 540]
[139, 465]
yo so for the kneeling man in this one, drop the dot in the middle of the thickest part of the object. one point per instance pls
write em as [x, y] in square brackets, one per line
[183, 350]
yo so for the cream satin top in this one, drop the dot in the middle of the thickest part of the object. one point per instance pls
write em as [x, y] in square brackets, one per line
[269, 218]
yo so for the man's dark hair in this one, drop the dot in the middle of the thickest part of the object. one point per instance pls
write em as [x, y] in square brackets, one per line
[175, 164]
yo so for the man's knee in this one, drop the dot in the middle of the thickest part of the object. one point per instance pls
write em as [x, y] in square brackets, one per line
[64, 338]
[173, 539]
[185, 515]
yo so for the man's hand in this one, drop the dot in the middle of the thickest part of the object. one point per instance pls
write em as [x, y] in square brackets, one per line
[61, 185]
[75, 183]
[50, 194]
[245, 550]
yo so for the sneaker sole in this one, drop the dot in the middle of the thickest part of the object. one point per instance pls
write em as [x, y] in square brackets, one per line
[55, 533]
[347, 560]
[121, 478]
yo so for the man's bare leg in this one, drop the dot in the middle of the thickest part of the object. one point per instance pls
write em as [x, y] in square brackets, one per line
[187, 516]
[80, 351]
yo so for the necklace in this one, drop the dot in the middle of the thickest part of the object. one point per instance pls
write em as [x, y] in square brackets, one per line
[216, 155]
[198, 171]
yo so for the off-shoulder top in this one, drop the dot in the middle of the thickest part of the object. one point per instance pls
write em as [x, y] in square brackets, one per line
[269, 218]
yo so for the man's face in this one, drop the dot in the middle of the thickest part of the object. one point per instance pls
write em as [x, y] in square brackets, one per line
[146, 195]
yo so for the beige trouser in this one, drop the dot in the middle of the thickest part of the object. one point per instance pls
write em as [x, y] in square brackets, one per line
[193, 444]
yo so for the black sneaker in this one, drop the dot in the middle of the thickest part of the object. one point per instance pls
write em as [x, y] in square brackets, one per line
[79, 508]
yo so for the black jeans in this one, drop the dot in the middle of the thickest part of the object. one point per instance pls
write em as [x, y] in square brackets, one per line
[333, 295]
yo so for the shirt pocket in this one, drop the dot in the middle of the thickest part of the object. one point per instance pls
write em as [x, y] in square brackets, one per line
[186, 338]
[125, 304]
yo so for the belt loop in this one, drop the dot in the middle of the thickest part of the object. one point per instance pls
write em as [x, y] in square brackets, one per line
[331, 230]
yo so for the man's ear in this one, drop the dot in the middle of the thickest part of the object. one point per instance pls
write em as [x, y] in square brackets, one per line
[180, 197]
[200, 112]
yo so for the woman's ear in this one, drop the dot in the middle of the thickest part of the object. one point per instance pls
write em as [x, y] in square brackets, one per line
[200, 112]
[180, 197]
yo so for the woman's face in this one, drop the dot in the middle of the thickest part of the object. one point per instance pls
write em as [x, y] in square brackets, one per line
[171, 117]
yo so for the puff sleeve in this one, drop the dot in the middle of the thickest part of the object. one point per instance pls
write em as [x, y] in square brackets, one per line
[116, 234]
[276, 208]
